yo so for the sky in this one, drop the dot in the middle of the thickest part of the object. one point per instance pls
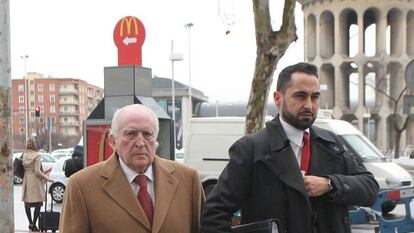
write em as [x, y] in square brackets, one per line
[74, 39]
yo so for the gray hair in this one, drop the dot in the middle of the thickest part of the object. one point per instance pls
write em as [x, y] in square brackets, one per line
[138, 107]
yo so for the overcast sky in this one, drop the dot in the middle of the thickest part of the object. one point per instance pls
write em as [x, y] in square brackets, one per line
[74, 39]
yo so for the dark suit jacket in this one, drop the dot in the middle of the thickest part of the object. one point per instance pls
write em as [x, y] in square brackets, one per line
[99, 199]
[264, 180]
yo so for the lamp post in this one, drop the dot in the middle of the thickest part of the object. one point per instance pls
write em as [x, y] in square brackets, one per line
[189, 26]
[26, 99]
[173, 58]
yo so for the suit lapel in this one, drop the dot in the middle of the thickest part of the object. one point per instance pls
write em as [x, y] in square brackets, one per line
[120, 191]
[165, 187]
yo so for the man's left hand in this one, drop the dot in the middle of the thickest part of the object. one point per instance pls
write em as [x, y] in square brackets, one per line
[316, 185]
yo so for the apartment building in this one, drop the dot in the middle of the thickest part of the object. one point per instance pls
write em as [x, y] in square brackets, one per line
[63, 102]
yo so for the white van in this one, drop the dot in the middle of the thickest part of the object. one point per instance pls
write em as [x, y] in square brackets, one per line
[209, 139]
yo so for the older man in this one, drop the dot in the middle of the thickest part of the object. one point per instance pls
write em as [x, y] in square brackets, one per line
[134, 190]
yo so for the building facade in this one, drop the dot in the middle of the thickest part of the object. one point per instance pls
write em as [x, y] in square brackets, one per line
[63, 102]
[362, 49]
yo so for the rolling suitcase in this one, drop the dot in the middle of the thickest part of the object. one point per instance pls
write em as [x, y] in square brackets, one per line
[49, 220]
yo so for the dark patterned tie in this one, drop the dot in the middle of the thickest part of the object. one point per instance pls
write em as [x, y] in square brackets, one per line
[304, 161]
[144, 197]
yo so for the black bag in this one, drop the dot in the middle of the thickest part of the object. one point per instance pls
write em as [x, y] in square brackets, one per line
[266, 226]
[49, 220]
[18, 167]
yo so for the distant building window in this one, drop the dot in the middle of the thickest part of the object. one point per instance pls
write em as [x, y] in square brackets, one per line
[32, 114]
[41, 120]
[20, 88]
[65, 86]
[52, 98]
[22, 120]
[21, 99]
[21, 109]
[52, 109]
[52, 87]
[40, 99]
[31, 82]
[32, 103]
[31, 93]
[65, 99]
[65, 119]
[21, 130]
[40, 87]
[42, 109]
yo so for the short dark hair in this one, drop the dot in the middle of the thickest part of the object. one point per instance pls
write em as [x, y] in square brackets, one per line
[286, 75]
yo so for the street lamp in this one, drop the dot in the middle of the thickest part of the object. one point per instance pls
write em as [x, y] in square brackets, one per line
[174, 57]
[26, 99]
[189, 26]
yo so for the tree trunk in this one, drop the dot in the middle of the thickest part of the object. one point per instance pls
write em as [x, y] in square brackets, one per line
[6, 168]
[271, 46]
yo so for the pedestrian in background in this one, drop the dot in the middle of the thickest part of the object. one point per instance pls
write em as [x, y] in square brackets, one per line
[134, 190]
[290, 170]
[33, 187]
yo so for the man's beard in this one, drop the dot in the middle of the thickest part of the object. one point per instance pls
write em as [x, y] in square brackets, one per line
[296, 122]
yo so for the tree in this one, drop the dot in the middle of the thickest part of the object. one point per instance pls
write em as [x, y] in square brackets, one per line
[271, 46]
[398, 126]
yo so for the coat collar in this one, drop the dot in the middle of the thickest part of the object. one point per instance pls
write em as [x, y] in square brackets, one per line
[165, 187]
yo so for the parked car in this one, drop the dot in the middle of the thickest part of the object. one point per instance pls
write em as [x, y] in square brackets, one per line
[57, 189]
[47, 164]
[57, 154]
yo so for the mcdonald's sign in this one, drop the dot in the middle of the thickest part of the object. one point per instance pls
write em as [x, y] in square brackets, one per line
[129, 36]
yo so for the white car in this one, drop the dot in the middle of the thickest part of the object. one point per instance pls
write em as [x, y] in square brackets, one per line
[57, 189]
[47, 164]
[57, 154]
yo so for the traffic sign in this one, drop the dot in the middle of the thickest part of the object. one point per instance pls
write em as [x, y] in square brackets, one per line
[129, 35]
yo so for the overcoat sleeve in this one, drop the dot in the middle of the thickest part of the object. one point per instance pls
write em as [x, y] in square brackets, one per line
[357, 187]
[227, 196]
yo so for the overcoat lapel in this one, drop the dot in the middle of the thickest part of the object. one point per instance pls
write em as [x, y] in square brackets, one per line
[282, 160]
[118, 188]
[165, 187]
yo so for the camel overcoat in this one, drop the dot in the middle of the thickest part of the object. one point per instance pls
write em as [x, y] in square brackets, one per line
[33, 187]
[99, 199]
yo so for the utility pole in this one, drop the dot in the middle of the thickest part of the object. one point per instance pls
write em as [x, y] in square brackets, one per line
[6, 168]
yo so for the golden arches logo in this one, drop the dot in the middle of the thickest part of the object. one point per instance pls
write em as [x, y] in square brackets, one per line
[127, 21]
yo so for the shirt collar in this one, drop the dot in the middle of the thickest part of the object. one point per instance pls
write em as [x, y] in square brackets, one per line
[131, 174]
[294, 135]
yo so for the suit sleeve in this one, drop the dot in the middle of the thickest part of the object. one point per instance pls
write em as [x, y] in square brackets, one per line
[357, 187]
[229, 193]
[74, 218]
[198, 203]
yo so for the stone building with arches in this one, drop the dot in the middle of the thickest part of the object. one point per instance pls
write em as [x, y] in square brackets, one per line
[361, 49]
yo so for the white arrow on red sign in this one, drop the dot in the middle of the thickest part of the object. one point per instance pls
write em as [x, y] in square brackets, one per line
[129, 40]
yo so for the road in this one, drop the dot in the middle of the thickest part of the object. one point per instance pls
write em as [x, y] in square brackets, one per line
[21, 223]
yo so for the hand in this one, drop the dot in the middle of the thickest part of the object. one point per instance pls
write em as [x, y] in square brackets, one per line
[316, 185]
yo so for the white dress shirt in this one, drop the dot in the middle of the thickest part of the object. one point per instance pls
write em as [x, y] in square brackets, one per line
[295, 137]
[131, 174]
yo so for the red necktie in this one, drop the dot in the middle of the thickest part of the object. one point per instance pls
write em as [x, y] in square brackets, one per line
[305, 157]
[144, 197]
